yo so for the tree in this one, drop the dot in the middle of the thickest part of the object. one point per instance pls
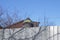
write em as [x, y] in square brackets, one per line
[5, 21]
[10, 20]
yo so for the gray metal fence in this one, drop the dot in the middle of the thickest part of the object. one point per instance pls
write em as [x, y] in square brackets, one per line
[33, 33]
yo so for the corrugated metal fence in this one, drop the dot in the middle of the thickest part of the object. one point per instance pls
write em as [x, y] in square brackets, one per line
[51, 33]
[45, 33]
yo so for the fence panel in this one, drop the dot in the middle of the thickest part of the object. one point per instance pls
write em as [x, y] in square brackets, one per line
[33, 33]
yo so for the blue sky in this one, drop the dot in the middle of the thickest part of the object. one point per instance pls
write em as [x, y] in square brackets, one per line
[35, 9]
